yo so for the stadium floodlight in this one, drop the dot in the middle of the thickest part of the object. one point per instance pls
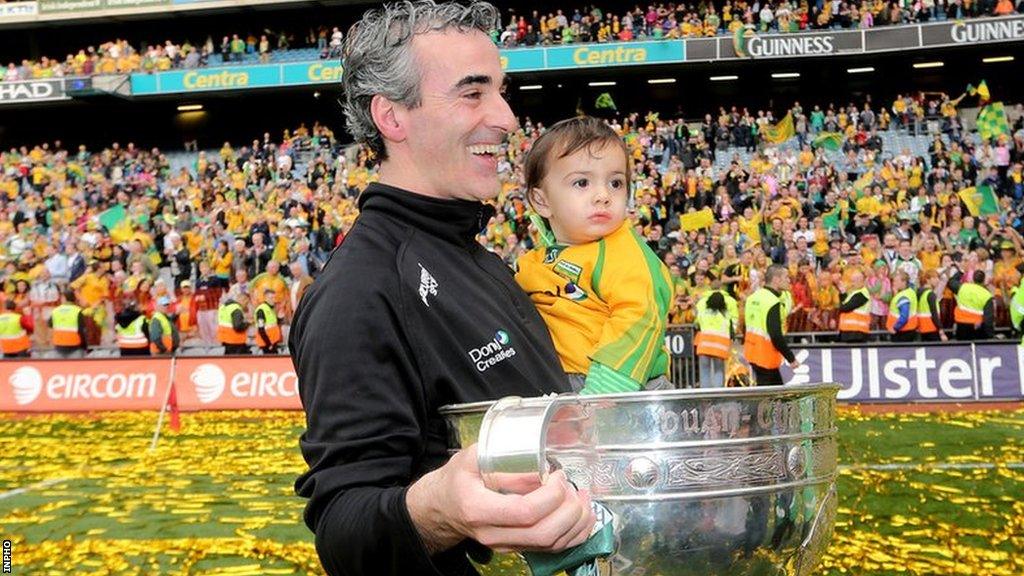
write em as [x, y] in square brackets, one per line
[860, 70]
[531, 87]
[936, 64]
[190, 107]
[607, 83]
[661, 81]
[783, 75]
[723, 78]
[997, 59]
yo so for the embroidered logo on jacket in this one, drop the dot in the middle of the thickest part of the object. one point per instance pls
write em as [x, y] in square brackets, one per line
[428, 286]
[568, 270]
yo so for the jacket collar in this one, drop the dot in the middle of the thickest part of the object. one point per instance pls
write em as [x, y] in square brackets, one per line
[457, 221]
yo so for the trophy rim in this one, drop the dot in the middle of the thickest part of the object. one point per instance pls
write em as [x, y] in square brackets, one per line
[678, 394]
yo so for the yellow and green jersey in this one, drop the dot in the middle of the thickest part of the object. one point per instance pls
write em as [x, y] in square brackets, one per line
[605, 303]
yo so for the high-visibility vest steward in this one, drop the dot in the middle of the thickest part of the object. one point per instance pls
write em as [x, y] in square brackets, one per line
[13, 338]
[757, 345]
[131, 336]
[970, 304]
[1017, 306]
[270, 325]
[925, 324]
[894, 310]
[713, 338]
[226, 332]
[858, 319]
[166, 336]
[65, 325]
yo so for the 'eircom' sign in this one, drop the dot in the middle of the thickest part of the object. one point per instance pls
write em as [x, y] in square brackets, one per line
[82, 385]
[219, 383]
[236, 383]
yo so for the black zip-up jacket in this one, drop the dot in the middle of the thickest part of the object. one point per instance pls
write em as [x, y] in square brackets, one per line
[409, 314]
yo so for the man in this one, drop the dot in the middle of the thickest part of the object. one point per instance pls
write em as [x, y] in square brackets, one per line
[187, 310]
[300, 281]
[68, 324]
[130, 329]
[388, 332]
[1015, 302]
[713, 340]
[163, 334]
[974, 313]
[268, 331]
[902, 320]
[14, 332]
[732, 308]
[44, 296]
[907, 262]
[764, 344]
[232, 328]
[855, 310]
[929, 326]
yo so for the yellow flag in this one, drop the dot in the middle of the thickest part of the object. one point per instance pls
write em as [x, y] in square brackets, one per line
[780, 132]
[697, 220]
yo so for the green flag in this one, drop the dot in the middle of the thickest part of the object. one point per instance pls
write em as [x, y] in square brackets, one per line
[980, 201]
[992, 121]
[828, 140]
[110, 218]
[605, 102]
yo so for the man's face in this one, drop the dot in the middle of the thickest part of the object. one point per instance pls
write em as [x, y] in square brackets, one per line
[451, 142]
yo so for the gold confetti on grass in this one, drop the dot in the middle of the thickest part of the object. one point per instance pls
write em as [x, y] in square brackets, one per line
[218, 497]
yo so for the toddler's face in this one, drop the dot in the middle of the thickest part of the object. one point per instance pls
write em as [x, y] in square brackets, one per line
[584, 194]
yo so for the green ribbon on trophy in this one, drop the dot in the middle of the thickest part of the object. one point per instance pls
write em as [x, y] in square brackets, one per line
[581, 560]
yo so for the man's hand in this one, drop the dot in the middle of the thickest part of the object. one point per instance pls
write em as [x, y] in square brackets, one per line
[451, 504]
[794, 364]
[943, 337]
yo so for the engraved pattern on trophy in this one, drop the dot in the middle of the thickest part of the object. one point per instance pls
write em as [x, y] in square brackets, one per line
[720, 469]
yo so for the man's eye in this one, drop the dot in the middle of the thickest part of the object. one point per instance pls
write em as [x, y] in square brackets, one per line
[474, 95]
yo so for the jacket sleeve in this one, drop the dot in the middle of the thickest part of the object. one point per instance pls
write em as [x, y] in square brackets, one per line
[82, 334]
[638, 297]
[904, 306]
[774, 325]
[238, 320]
[365, 407]
[261, 322]
[156, 333]
[934, 307]
[856, 301]
[988, 318]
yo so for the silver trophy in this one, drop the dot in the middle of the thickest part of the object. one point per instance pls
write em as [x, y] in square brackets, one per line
[727, 481]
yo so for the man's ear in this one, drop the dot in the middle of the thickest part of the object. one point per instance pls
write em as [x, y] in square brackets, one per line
[386, 117]
[539, 202]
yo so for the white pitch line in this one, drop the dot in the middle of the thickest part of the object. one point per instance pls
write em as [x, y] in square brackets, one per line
[36, 486]
[936, 466]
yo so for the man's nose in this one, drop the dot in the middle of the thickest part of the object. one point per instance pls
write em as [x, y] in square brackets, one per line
[502, 117]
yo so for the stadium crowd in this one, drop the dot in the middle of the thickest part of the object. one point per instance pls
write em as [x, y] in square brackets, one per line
[122, 235]
[582, 25]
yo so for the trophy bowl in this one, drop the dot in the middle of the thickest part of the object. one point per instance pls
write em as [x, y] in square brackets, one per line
[702, 482]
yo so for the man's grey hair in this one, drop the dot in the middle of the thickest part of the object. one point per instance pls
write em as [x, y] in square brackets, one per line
[378, 56]
[774, 272]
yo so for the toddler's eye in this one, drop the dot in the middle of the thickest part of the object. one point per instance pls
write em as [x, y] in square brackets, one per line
[618, 184]
[580, 183]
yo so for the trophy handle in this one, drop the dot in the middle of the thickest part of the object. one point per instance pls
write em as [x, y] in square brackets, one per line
[516, 434]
